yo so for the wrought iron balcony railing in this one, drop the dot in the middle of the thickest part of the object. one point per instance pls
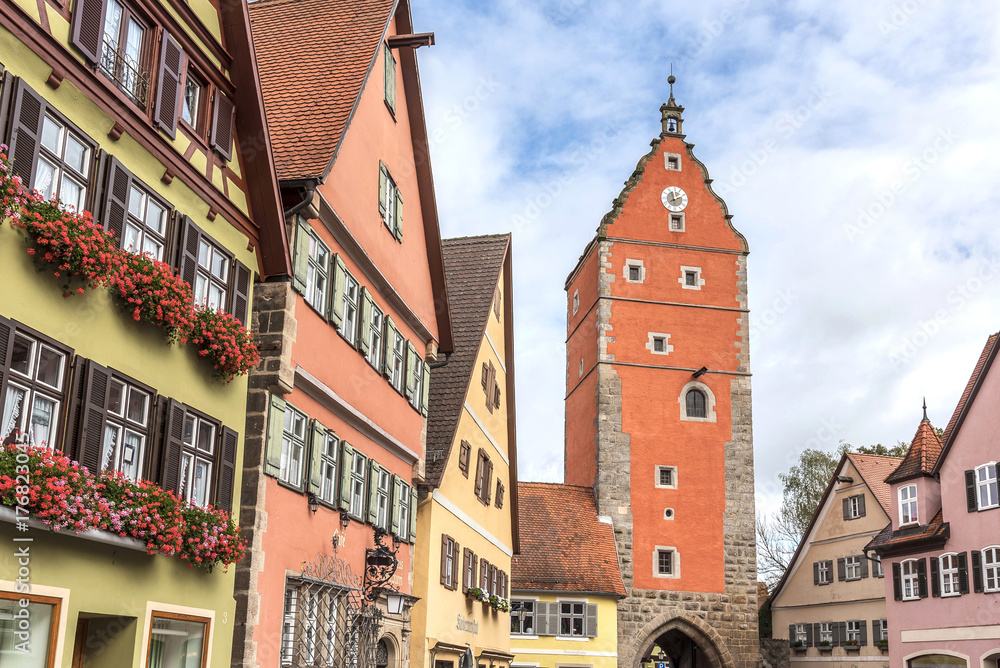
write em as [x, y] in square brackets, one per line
[126, 73]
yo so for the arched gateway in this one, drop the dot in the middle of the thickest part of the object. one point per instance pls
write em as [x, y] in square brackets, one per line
[658, 410]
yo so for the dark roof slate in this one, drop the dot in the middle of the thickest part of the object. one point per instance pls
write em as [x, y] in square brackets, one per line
[888, 540]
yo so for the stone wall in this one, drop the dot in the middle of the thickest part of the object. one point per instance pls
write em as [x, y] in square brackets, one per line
[774, 653]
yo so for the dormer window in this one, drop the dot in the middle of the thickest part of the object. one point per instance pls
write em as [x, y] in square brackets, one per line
[908, 505]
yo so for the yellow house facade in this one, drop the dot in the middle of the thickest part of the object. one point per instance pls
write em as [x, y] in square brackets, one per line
[466, 515]
[566, 581]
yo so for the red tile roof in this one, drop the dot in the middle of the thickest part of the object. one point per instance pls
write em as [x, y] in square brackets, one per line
[313, 58]
[472, 266]
[889, 541]
[874, 469]
[564, 546]
[922, 455]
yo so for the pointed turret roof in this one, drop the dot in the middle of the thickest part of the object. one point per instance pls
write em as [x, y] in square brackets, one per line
[922, 455]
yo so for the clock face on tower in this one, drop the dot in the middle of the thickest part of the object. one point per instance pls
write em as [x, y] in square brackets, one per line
[674, 198]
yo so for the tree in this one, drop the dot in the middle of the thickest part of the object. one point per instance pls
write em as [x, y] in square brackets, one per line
[898, 450]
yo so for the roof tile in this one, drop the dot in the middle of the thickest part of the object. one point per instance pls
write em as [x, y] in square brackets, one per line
[875, 469]
[922, 455]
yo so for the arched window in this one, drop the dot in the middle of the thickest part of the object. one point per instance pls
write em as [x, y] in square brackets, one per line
[695, 404]
[936, 661]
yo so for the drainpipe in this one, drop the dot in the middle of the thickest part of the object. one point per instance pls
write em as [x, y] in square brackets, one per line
[308, 190]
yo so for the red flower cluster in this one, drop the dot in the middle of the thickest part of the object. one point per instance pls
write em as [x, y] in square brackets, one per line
[67, 496]
[75, 248]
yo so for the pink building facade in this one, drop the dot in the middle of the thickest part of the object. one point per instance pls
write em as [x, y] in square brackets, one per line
[943, 545]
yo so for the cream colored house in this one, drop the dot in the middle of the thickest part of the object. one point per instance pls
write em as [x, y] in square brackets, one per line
[830, 603]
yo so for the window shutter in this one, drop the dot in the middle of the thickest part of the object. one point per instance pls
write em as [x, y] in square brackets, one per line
[480, 463]
[6, 334]
[454, 567]
[373, 473]
[336, 311]
[87, 29]
[935, 583]
[228, 443]
[897, 585]
[397, 223]
[388, 341]
[922, 577]
[426, 387]
[466, 566]
[791, 635]
[317, 434]
[847, 508]
[191, 239]
[168, 87]
[411, 361]
[29, 111]
[488, 481]
[223, 117]
[591, 620]
[92, 417]
[977, 571]
[864, 566]
[861, 505]
[475, 569]
[499, 495]
[240, 299]
[809, 634]
[963, 573]
[275, 432]
[383, 179]
[173, 442]
[841, 569]
[815, 572]
[970, 491]
[484, 569]
[876, 630]
[390, 78]
[364, 337]
[840, 633]
[300, 263]
[553, 619]
[413, 515]
[116, 199]
[444, 559]
[346, 460]
[397, 493]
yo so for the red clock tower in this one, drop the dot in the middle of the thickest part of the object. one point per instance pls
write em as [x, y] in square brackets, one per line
[658, 408]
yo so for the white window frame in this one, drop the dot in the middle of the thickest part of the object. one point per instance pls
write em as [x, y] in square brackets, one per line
[698, 280]
[375, 334]
[677, 216]
[948, 576]
[576, 301]
[329, 468]
[534, 618]
[292, 442]
[317, 272]
[801, 635]
[908, 513]
[884, 629]
[854, 506]
[989, 485]
[852, 567]
[638, 266]
[399, 362]
[359, 486]
[122, 425]
[991, 570]
[389, 219]
[350, 308]
[581, 367]
[877, 567]
[404, 512]
[193, 454]
[825, 571]
[668, 513]
[383, 490]
[825, 634]
[666, 162]
[709, 402]
[22, 418]
[664, 338]
[853, 635]
[675, 562]
[418, 382]
[673, 477]
[909, 580]
[572, 615]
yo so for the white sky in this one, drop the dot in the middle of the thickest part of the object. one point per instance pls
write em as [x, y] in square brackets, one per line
[807, 115]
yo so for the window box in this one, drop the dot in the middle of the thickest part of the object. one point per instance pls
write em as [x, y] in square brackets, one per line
[853, 647]
[882, 645]
[824, 646]
[799, 647]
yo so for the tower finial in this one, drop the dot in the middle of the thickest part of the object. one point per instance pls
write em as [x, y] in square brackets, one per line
[671, 112]
[925, 410]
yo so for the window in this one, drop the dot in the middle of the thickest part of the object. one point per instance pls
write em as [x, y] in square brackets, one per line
[576, 301]
[211, 283]
[677, 222]
[375, 323]
[35, 386]
[668, 513]
[824, 572]
[673, 162]
[911, 587]
[991, 568]
[908, 504]
[496, 301]
[464, 453]
[63, 164]
[491, 388]
[852, 566]
[658, 343]
[691, 279]
[328, 468]
[695, 403]
[448, 562]
[317, 271]
[173, 635]
[390, 78]
[43, 622]
[126, 428]
[498, 500]
[197, 459]
[949, 575]
[853, 632]
[358, 464]
[405, 511]
[666, 477]
[349, 326]
[145, 223]
[986, 486]
[884, 629]
[398, 364]
[522, 617]
[316, 628]
[191, 106]
[484, 473]
[877, 567]
[801, 635]
[825, 633]
[293, 447]
[122, 55]
[572, 617]
[389, 195]
[417, 372]
[382, 491]
[854, 507]
[666, 563]
[635, 272]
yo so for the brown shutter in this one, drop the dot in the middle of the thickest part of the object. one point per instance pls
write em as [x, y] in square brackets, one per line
[173, 443]
[454, 566]
[6, 334]
[227, 470]
[474, 567]
[487, 480]
[240, 299]
[87, 28]
[444, 559]
[29, 111]
[479, 473]
[168, 87]
[187, 262]
[92, 415]
[223, 117]
[115, 207]
[466, 567]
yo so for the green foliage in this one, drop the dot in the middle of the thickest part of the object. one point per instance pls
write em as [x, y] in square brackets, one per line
[804, 485]
[898, 450]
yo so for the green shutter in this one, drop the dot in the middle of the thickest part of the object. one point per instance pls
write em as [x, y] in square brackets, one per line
[336, 311]
[388, 341]
[413, 515]
[390, 78]
[275, 430]
[317, 433]
[301, 255]
[373, 471]
[397, 224]
[383, 178]
[411, 361]
[346, 459]
[364, 335]
[426, 389]
[397, 490]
